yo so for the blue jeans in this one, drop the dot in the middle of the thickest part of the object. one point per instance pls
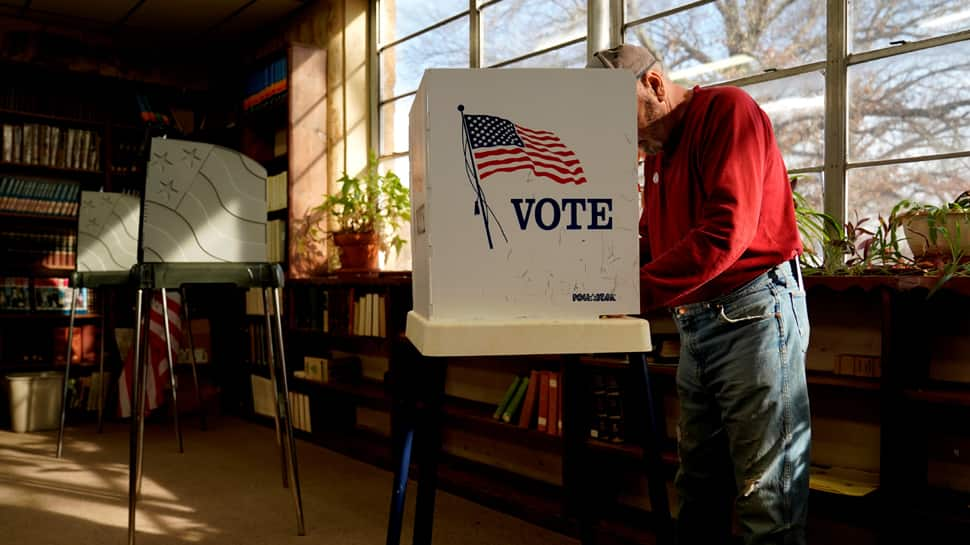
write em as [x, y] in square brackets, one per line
[745, 425]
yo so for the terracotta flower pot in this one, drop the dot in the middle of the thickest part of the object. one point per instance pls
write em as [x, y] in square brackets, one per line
[358, 251]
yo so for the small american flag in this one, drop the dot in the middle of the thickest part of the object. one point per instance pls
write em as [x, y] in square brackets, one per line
[499, 145]
[159, 363]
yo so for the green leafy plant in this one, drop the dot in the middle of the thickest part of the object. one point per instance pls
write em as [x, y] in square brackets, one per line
[369, 203]
[861, 247]
[939, 232]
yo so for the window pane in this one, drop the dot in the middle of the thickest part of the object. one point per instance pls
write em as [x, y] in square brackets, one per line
[875, 23]
[875, 190]
[394, 125]
[638, 9]
[910, 105]
[403, 65]
[571, 56]
[728, 39]
[810, 187]
[398, 262]
[513, 28]
[400, 18]
[796, 107]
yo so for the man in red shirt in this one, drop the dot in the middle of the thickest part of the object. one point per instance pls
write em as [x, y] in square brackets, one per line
[720, 244]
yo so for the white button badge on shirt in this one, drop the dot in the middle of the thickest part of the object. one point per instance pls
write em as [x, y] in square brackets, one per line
[656, 177]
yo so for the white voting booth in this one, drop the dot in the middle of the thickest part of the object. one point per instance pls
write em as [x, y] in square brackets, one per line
[524, 235]
[524, 212]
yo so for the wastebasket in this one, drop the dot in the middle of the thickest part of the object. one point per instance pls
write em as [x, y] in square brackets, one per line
[35, 400]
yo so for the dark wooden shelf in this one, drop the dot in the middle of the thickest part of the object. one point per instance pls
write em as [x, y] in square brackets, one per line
[373, 346]
[6, 112]
[46, 315]
[61, 221]
[28, 366]
[960, 284]
[944, 394]
[822, 378]
[20, 168]
[475, 416]
[35, 271]
[367, 391]
[388, 278]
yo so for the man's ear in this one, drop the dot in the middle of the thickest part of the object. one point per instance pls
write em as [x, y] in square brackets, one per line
[655, 82]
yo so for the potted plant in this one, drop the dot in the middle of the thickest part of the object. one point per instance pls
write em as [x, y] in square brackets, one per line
[365, 214]
[939, 232]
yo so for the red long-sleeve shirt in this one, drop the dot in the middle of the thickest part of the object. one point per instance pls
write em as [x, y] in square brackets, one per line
[717, 203]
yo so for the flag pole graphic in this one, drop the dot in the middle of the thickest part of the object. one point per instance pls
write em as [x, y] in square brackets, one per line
[480, 204]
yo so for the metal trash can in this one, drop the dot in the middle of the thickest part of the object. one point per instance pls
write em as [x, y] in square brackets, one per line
[35, 400]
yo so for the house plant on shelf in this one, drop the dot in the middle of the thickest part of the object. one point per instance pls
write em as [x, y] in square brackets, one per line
[364, 216]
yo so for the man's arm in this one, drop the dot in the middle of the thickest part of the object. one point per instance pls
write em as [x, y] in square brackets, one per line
[732, 163]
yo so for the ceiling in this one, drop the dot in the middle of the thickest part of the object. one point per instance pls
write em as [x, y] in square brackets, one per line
[159, 21]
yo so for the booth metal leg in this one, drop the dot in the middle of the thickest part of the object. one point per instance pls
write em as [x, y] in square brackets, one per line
[67, 373]
[271, 360]
[137, 412]
[187, 328]
[402, 433]
[101, 379]
[653, 437]
[171, 370]
[579, 493]
[429, 449]
[284, 410]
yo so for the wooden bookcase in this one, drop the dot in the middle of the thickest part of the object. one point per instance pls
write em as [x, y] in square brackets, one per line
[878, 441]
[287, 134]
[84, 134]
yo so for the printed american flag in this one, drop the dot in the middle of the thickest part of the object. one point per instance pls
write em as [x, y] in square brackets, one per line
[499, 145]
[159, 363]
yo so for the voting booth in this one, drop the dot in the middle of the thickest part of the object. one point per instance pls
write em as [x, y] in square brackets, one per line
[524, 194]
[524, 234]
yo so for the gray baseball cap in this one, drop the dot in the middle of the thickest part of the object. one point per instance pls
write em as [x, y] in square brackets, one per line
[634, 58]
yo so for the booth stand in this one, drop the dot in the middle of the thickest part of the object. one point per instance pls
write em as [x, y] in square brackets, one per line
[419, 363]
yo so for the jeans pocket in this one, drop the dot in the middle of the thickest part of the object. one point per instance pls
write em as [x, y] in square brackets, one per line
[799, 308]
[746, 310]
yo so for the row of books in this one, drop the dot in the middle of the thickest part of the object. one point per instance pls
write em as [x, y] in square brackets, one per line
[533, 402]
[258, 354]
[368, 316]
[254, 302]
[37, 95]
[329, 369]
[84, 391]
[276, 241]
[126, 157]
[24, 195]
[276, 191]
[42, 294]
[49, 250]
[265, 83]
[858, 365]
[50, 146]
[264, 403]
[607, 420]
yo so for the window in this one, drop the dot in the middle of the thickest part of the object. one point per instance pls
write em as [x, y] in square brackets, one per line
[416, 35]
[904, 74]
[905, 81]
[513, 28]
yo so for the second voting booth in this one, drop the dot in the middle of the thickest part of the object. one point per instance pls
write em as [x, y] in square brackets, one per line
[525, 242]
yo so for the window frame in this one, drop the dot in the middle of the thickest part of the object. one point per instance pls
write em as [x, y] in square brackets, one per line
[606, 27]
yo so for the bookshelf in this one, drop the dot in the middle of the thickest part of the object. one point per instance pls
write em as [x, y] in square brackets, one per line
[282, 124]
[908, 405]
